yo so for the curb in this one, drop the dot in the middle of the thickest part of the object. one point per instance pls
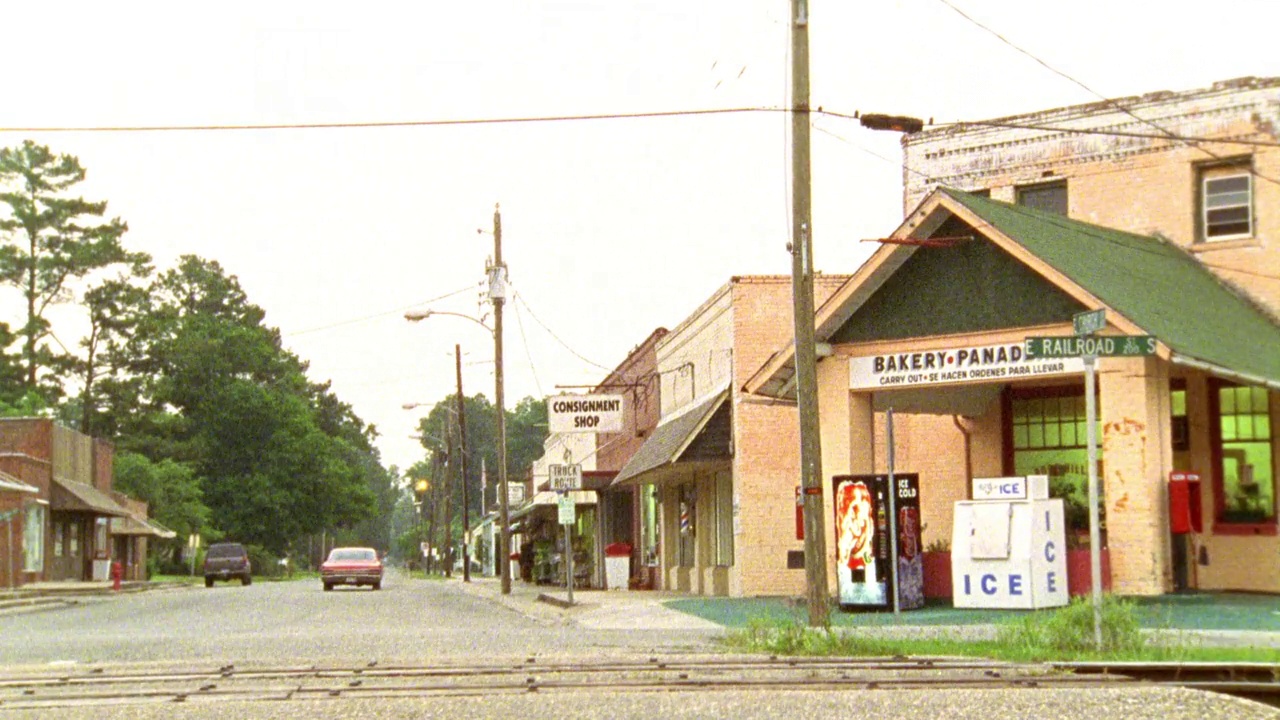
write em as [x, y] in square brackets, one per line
[558, 602]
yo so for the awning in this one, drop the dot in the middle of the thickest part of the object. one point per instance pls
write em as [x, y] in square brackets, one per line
[72, 496]
[13, 484]
[669, 440]
[134, 525]
[547, 500]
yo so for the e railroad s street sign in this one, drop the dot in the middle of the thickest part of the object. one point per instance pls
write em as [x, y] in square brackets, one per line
[1098, 346]
[1089, 322]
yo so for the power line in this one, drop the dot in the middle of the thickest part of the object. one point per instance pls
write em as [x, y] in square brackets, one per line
[525, 340]
[872, 153]
[1109, 101]
[520, 298]
[395, 123]
[1097, 131]
[376, 315]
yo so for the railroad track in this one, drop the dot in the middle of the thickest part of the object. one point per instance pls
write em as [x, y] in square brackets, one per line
[90, 687]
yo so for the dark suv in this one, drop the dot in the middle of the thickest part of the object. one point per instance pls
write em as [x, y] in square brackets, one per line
[225, 561]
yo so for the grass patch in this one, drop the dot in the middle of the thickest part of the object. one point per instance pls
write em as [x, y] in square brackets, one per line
[1062, 634]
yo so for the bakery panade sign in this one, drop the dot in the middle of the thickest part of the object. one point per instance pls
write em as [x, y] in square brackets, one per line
[983, 363]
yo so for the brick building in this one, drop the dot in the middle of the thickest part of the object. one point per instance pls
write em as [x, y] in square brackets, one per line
[716, 476]
[636, 379]
[73, 525]
[1163, 211]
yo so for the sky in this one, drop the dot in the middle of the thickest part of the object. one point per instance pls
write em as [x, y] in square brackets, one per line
[610, 228]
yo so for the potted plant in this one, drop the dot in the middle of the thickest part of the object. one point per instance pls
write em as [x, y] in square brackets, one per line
[937, 568]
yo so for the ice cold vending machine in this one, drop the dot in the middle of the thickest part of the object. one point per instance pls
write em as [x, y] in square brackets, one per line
[1008, 547]
[862, 541]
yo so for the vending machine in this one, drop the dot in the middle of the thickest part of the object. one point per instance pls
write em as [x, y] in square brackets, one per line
[863, 546]
[1008, 547]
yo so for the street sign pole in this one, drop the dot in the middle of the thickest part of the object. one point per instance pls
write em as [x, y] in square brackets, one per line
[893, 519]
[1095, 533]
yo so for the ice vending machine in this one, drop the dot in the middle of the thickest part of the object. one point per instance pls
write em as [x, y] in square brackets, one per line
[1008, 548]
[862, 541]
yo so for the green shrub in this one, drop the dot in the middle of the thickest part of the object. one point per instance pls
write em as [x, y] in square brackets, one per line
[1069, 630]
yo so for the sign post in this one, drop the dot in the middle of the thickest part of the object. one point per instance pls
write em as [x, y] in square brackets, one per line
[1089, 347]
[565, 479]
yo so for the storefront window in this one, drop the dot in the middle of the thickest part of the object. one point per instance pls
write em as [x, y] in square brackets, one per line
[33, 539]
[100, 547]
[58, 536]
[73, 538]
[1049, 434]
[649, 524]
[1244, 478]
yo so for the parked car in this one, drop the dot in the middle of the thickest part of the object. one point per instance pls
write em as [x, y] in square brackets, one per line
[226, 561]
[352, 566]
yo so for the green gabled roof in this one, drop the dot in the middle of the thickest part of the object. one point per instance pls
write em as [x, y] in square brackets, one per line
[1153, 283]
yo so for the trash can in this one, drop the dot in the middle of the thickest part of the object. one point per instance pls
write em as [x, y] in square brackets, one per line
[515, 566]
[617, 566]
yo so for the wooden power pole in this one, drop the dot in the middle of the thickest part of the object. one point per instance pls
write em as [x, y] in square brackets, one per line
[815, 540]
[462, 453]
[498, 294]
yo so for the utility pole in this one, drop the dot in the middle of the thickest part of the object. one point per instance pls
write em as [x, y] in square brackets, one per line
[462, 431]
[498, 294]
[448, 500]
[801, 246]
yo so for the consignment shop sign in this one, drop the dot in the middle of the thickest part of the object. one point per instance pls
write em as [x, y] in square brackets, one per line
[984, 363]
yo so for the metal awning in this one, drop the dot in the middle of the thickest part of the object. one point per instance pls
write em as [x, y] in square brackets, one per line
[72, 496]
[547, 500]
[669, 439]
[134, 525]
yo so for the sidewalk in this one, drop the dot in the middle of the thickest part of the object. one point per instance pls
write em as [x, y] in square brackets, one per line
[594, 609]
[38, 595]
[1217, 619]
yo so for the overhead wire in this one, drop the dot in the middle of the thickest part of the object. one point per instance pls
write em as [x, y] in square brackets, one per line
[519, 297]
[1168, 134]
[375, 316]
[525, 340]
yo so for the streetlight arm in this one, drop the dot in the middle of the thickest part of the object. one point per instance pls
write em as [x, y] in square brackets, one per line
[416, 315]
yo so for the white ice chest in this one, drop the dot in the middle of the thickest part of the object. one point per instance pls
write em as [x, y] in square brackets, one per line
[1008, 547]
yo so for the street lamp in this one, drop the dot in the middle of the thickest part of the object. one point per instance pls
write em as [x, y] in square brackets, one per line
[496, 295]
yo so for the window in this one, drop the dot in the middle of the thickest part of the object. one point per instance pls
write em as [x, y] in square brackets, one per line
[724, 519]
[1244, 480]
[33, 539]
[649, 524]
[1048, 435]
[1226, 203]
[1049, 197]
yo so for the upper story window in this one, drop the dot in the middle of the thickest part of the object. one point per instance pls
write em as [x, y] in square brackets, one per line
[1226, 203]
[1050, 197]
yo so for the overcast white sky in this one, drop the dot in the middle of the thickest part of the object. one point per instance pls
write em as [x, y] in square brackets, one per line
[611, 228]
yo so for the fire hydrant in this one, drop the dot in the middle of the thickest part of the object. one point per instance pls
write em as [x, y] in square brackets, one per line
[117, 573]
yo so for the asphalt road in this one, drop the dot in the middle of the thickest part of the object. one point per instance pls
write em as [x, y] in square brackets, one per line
[297, 622]
[432, 623]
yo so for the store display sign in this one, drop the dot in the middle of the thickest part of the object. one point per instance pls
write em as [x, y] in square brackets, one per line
[984, 363]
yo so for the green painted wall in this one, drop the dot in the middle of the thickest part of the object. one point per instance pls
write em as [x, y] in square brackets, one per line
[972, 287]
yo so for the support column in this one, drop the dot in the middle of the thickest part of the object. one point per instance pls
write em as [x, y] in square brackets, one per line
[1137, 455]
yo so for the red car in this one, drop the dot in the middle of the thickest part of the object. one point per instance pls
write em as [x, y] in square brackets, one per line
[352, 566]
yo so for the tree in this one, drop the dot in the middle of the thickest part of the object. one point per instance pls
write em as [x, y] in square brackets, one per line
[51, 239]
[170, 489]
[278, 457]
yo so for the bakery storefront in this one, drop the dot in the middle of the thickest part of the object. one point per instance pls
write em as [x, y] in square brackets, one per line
[934, 327]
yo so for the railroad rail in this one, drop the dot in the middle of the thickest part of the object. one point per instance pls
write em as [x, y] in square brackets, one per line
[83, 687]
